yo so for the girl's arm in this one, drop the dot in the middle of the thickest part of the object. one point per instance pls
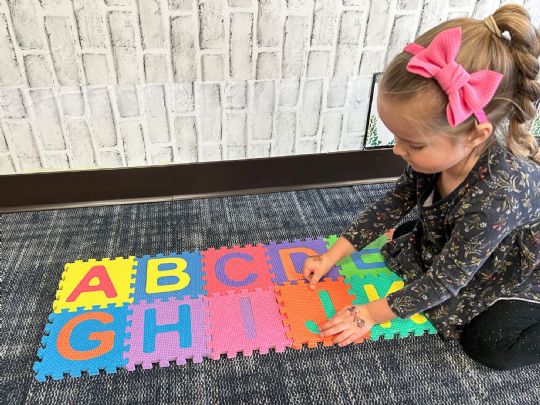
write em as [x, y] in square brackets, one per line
[380, 311]
[376, 220]
[370, 224]
[342, 248]
[479, 227]
[384, 214]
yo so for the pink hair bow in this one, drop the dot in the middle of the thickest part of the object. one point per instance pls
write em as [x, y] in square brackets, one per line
[467, 93]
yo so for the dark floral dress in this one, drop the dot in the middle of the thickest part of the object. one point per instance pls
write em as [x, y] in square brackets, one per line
[477, 245]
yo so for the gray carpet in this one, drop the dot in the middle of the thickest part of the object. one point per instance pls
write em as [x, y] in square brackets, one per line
[36, 245]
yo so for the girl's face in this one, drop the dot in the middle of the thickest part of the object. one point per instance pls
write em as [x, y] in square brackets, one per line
[425, 150]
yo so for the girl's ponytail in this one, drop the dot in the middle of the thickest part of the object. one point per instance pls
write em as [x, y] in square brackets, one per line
[524, 46]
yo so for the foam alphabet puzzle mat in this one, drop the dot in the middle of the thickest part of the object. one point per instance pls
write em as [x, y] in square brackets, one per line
[207, 304]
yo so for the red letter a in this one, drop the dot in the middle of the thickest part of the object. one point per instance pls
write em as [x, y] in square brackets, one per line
[105, 284]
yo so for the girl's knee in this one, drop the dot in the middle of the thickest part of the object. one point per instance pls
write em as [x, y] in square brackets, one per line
[484, 349]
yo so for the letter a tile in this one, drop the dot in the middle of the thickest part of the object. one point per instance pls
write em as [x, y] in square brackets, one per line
[95, 282]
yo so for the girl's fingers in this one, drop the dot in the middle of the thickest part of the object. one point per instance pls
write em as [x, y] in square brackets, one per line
[349, 340]
[335, 320]
[334, 329]
[342, 324]
[343, 336]
[341, 317]
[316, 277]
[307, 272]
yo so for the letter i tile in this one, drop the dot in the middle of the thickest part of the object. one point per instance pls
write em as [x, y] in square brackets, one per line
[246, 321]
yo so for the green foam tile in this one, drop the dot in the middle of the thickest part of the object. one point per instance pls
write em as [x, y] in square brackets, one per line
[368, 289]
[367, 262]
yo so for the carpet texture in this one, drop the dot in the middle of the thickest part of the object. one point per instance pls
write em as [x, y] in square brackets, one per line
[36, 245]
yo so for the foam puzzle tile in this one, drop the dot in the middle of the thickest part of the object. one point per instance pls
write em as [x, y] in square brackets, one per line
[367, 262]
[246, 321]
[369, 289]
[168, 276]
[82, 341]
[236, 269]
[304, 309]
[165, 331]
[95, 282]
[287, 259]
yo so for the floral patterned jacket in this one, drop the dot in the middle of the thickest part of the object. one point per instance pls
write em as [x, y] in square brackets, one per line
[477, 245]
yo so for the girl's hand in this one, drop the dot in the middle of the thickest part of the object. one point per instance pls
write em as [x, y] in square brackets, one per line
[350, 324]
[316, 267]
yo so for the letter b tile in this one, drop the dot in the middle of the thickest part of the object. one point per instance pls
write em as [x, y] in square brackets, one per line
[174, 275]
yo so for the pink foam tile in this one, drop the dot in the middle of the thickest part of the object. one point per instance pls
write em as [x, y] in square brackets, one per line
[246, 321]
[236, 269]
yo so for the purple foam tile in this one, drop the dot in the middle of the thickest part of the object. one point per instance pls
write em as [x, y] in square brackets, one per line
[164, 331]
[287, 259]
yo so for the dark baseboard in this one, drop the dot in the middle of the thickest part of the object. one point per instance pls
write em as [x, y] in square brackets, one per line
[38, 191]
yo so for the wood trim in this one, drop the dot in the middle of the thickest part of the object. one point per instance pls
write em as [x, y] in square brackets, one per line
[37, 191]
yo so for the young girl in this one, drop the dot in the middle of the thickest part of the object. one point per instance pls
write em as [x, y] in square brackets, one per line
[471, 262]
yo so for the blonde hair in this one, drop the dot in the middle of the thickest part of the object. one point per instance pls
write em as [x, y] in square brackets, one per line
[512, 108]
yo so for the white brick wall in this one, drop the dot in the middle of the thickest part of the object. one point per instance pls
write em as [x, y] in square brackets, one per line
[112, 83]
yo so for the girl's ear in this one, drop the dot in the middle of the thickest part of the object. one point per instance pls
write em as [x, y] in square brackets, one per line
[480, 134]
